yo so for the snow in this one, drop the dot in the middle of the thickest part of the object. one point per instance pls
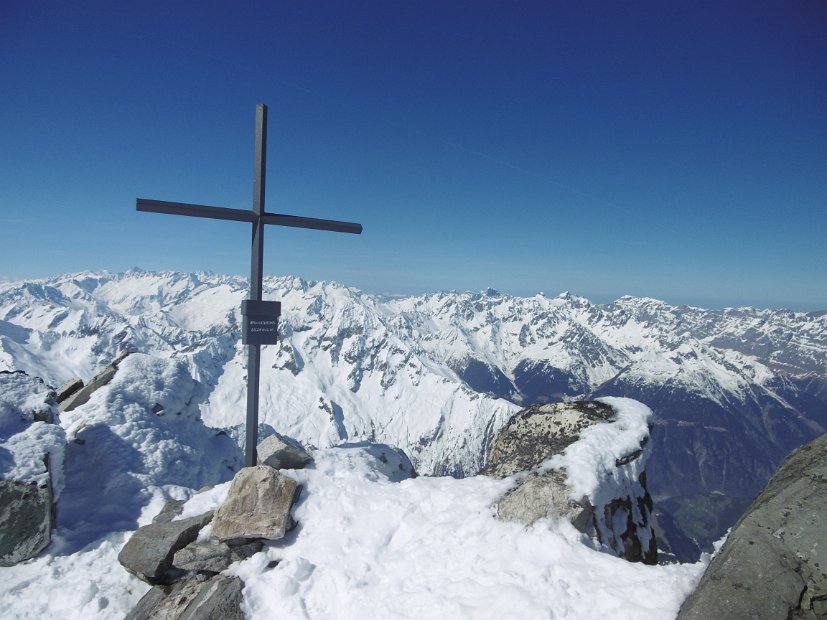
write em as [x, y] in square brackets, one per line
[371, 542]
[590, 462]
[24, 442]
[351, 369]
[367, 547]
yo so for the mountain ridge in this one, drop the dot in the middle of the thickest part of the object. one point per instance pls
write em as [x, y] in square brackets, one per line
[733, 390]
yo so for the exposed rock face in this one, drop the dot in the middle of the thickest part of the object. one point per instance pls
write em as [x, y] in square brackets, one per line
[25, 520]
[149, 552]
[774, 563]
[281, 452]
[532, 436]
[257, 506]
[217, 598]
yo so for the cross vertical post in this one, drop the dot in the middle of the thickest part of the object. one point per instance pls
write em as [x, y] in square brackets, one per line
[260, 317]
[256, 282]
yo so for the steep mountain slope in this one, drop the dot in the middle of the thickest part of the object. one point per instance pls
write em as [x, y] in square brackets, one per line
[733, 390]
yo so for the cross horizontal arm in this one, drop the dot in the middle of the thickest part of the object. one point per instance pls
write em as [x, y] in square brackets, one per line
[181, 208]
[311, 222]
[243, 215]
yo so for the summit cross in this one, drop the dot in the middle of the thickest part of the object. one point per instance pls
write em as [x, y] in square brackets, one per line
[260, 317]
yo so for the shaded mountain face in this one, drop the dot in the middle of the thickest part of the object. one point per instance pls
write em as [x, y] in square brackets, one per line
[733, 391]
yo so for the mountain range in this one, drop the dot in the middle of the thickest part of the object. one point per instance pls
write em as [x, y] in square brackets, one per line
[733, 390]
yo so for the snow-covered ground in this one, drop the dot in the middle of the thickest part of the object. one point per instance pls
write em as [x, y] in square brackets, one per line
[368, 544]
[430, 548]
[368, 547]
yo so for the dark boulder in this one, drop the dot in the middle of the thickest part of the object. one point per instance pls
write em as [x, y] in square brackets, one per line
[26, 516]
[150, 551]
[774, 563]
[199, 598]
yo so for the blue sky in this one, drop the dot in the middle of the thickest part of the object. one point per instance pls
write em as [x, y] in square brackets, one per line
[669, 149]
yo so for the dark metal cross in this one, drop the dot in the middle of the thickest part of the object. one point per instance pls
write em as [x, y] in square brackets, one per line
[258, 217]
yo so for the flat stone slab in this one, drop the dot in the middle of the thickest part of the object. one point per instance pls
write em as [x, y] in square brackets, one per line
[68, 388]
[257, 506]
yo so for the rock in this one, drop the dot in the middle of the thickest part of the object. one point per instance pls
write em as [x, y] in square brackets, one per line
[79, 394]
[171, 509]
[774, 562]
[82, 396]
[26, 516]
[213, 556]
[149, 602]
[546, 495]
[31, 460]
[257, 506]
[534, 435]
[281, 452]
[67, 389]
[385, 459]
[217, 598]
[539, 432]
[149, 552]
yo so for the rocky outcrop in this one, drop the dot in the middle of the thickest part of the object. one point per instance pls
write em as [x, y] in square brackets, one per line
[31, 466]
[67, 389]
[546, 495]
[281, 452]
[617, 513]
[257, 506]
[774, 562]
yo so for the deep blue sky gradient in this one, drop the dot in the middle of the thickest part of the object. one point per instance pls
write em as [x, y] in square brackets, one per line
[669, 149]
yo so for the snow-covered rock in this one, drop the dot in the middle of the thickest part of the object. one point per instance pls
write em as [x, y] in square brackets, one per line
[583, 461]
[31, 466]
